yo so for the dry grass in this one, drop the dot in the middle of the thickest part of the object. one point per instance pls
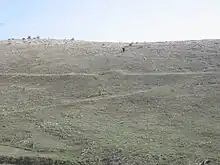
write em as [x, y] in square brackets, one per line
[87, 102]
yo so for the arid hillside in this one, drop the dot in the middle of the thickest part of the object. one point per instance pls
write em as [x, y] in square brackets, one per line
[85, 102]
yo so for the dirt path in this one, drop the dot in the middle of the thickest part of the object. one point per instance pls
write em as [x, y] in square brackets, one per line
[45, 75]
[160, 73]
[11, 151]
[102, 73]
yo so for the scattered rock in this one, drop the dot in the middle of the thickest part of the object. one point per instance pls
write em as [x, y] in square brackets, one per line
[205, 162]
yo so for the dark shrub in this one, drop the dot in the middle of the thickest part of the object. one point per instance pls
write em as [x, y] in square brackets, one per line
[131, 44]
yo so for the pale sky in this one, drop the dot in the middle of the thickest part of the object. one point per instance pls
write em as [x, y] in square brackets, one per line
[111, 20]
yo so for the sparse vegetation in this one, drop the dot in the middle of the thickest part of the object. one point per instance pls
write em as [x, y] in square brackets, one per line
[84, 103]
[29, 37]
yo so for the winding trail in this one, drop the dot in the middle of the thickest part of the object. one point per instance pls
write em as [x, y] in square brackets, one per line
[105, 96]
[73, 102]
